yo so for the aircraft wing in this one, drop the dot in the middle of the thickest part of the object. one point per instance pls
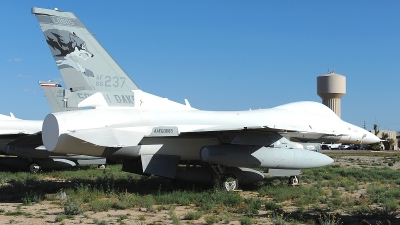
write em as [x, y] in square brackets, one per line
[17, 126]
[8, 132]
[132, 136]
[5, 117]
[34, 140]
[271, 128]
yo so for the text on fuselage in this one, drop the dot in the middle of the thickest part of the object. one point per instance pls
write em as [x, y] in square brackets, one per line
[163, 131]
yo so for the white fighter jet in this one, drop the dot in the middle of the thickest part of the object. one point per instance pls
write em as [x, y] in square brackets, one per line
[156, 136]
[21, 141]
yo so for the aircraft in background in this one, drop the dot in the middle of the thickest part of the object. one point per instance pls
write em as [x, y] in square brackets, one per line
[156, 136]
[23, 139]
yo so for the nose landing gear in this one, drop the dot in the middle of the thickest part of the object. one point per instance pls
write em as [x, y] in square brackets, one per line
[294, 180]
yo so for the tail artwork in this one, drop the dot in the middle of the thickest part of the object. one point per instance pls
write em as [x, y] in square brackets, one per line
[83, 63]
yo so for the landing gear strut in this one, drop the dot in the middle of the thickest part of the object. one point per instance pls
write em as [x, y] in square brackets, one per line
[294, 180]
[229, 181]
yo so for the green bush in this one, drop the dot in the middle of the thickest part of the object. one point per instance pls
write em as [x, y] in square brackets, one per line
[32, 197]
[123, 217]
[146, 201]
[73, 207]
[362, 210]
[100, 206]
[246, 221]
[192, 216]
[270, 205]
[388, 208]
[207, 206]
[253, 205]
[211, 219]
[103, 222]
[329, 220]
[59, 218]
[227, 198]
[125, 201]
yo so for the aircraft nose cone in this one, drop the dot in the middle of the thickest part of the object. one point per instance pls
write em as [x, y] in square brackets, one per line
[325, 160]
[370, 139]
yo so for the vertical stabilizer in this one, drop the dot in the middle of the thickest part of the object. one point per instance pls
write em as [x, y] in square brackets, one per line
[83, 63]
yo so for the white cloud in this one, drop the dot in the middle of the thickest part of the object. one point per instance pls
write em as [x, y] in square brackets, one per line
[14, 60]
[58, 79]
[21, 75]
[27, 90]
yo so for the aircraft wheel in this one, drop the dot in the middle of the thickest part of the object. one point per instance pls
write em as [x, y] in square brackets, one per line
[34, 167]
[101, 166]
[294, 180]
[230, 183]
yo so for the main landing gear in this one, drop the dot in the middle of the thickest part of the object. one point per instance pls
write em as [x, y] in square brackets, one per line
[229, 181]
[34, 167]
[294, 180]
[101, 166]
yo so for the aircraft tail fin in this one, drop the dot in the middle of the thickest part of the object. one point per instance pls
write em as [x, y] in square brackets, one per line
[83, 63]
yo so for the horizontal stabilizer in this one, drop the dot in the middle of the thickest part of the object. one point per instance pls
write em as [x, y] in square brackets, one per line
[55, 96]
[4, 117]
[111, 137]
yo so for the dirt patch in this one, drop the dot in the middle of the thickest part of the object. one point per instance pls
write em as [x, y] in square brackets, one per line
[51, 212]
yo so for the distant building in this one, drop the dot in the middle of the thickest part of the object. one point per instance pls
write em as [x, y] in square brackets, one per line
[398, 140]
[392, 135]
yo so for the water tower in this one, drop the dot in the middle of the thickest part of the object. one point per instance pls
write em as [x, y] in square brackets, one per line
[331, 87]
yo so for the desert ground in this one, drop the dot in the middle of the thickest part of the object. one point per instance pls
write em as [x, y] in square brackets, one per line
[19, 206]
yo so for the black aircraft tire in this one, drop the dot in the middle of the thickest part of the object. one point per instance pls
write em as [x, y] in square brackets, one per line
[294, 180]
[34, 167]
[230, 183]
[102, 166]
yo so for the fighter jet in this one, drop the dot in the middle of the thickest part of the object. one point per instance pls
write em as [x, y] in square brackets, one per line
[157, 136]
[21, 141]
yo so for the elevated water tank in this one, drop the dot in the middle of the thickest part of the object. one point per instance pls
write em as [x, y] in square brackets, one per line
[331, 88]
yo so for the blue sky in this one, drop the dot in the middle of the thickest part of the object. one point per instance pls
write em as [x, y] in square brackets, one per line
[221, 55]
